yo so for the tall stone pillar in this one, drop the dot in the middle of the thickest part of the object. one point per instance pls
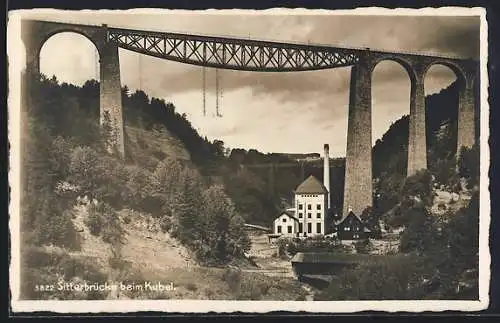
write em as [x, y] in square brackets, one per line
[358, 169]
[417, 146]
[32, 61]
[32, 44]
[466, 116]
[111, 98]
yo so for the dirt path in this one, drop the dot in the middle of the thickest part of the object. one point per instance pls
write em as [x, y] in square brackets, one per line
[263, 254]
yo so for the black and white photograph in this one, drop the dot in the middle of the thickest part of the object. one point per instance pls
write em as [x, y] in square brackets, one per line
[248, 160]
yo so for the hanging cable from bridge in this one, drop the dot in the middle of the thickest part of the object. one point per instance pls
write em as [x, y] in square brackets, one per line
[140, 72]
[204, 85]
[217, 76]
[216, 92]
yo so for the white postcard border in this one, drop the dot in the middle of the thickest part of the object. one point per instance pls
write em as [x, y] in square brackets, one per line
[205, 306]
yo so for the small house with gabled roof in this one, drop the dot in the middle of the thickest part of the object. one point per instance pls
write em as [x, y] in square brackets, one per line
[351, 227]
[286, 224]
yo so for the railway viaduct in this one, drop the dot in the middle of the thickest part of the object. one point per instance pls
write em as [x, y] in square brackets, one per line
[266, 56]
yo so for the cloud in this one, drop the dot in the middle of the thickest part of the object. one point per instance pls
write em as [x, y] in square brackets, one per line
[442, 35]
[295, 111]
[445, 35]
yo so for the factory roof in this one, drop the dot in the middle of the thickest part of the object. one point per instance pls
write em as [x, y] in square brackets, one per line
[311, 186]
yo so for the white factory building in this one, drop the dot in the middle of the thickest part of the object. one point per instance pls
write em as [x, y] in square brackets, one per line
[311, 203]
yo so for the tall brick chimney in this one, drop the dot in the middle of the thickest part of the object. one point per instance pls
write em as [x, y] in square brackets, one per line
[326, 172]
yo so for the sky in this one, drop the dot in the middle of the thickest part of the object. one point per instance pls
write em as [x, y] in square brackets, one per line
[272, 112]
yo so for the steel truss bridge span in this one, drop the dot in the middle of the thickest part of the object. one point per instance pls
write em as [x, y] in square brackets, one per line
[232, 53]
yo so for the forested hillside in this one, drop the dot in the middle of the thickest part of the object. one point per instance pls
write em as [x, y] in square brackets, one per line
[201, 194]
[64, 157]
[390, 153]
[257, 189]
[438, 245]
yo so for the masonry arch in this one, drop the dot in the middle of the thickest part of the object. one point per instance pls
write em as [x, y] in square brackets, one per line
[406, 65]
[81, 61]
[443, 83]
[391, 89]
[392, 79]
[35, 35]
[455, 68]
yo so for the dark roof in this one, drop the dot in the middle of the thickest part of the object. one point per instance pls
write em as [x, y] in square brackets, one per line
[254, 226]
[332, 258]
[345, 217]
[290, 215]
[311, 186]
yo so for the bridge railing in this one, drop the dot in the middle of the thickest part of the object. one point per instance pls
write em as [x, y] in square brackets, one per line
[338, 46]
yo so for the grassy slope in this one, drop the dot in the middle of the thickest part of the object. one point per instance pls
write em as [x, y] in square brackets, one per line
[154, 256]
[139, 141]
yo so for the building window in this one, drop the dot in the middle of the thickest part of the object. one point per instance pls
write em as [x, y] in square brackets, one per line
[318, 227]
[300, 228]
[300, 206]
[318, 215]
[300, 214]
[309, 206]
[309, 228]
[289, 229]
[318, 207]
[279, 228]
[284, 219]
[309, 215]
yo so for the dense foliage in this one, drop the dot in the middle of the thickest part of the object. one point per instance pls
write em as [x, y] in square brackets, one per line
[291, 246]
[442, 252]
[390, 153]
[204, 203]
[65, 156]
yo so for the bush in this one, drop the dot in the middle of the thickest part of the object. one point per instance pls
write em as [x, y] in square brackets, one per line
[165, 223]
[247, 287]
[104, 221]
[191, 287]
[283, 244]
[55, 226]
[363, 246]
[41, 267]
[233, 279]
[468, 165]
[253, 287]
[71, 267]
[312, 244]
[421, 235]
[94, 221]
[127, 219]
[381, 279]
[419, 187]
